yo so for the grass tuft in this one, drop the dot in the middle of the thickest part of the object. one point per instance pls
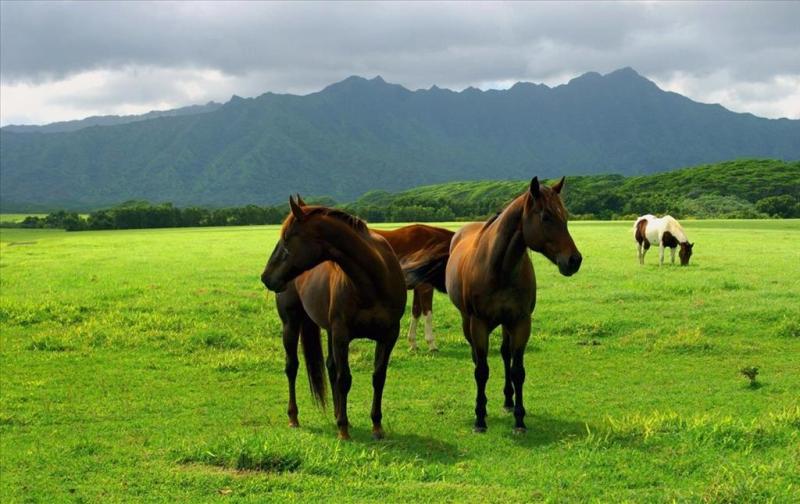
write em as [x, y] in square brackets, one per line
[50, 343]
[215, 339]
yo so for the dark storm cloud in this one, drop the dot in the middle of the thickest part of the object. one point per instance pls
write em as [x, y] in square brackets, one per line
[469, 41]
[301, 47]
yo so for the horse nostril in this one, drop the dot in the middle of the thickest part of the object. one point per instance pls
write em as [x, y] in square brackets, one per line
[575, 261]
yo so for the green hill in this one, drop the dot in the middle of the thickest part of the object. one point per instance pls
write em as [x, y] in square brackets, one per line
[359, 134]
[741, 188]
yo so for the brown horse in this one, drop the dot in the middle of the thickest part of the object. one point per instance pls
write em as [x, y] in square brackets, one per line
[408, 242]
[331, 271]
[490, 279]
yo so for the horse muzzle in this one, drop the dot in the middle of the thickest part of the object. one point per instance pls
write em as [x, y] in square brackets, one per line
[570, 265]
[272, 284]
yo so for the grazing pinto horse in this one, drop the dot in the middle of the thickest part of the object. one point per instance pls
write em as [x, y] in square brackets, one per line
[408, 242]
[490, 279]
[331, 272]
[666, 231]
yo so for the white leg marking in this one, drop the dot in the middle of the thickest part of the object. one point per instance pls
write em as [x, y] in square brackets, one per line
[672, 255]
[412, 333]
[429, 332]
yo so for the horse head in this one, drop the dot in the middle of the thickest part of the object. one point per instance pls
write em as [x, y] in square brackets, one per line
[685, 253]
[296, 250]
[544, 226]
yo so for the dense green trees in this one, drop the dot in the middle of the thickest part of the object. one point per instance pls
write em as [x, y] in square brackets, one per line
[734, 189]
[748, 188]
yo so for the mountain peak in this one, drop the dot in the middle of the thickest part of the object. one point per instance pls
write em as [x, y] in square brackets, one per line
[625, 72]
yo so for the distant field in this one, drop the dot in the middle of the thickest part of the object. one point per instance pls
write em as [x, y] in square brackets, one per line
[18, 217]
[148, 365]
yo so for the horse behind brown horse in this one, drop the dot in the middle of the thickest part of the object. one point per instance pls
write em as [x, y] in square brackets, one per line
[491, 281]
[330, 271]
[408, 243]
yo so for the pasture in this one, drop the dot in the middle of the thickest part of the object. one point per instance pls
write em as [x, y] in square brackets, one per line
[148, 365]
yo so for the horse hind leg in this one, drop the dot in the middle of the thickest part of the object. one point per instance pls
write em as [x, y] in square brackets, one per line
[383, 349]
[426, 303]
[416, 312]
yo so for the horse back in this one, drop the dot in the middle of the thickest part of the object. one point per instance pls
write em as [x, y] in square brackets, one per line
[408, 240]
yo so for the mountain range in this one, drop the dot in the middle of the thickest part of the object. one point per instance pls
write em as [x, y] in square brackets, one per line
[109, 120]
[358, 135]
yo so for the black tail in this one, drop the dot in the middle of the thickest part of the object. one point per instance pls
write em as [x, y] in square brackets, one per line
[430, 270]
[315, 361]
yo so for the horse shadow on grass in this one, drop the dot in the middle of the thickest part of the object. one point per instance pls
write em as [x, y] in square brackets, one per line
[545, 430]
[403, 445]
[461, 351]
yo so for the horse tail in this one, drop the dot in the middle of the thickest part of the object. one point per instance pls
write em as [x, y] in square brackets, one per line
[315, 362]
[427, 268]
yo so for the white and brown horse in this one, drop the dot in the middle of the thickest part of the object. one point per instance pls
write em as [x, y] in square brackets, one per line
[666, 232]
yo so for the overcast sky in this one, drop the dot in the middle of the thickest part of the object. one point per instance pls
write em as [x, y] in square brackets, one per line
[65, 60]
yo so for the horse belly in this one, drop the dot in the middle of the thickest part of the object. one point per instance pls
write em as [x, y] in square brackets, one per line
[652, 235]
[313, 289]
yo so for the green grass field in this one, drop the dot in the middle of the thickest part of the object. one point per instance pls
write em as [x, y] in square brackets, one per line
[148, 365]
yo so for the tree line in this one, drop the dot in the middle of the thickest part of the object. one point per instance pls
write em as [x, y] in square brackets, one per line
[742, 189]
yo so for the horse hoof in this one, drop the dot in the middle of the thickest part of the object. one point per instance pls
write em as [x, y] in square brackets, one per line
[520, 430]
[378, 434]
[343, 436]
[412, 349]
[294, 424]
[508, 409]
[433, 350]
[479, 430]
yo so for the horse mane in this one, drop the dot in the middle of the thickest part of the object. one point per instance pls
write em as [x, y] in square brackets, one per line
[491, 219]
[351, 220]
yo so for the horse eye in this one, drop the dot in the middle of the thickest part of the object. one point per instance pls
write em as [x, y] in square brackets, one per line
[546, 218]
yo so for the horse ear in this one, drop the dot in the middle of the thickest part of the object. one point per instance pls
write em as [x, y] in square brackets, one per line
[558, 186]
[534, 187]
[297, 210]
[300, 200]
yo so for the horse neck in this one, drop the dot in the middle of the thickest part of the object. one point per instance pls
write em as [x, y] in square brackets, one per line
[505, 240]
[363, 265]
[676, 230]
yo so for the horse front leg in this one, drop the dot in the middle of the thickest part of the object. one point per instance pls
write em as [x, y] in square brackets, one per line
[661, 254]
[508, 389]
[291, 335]
[672, 255]
[343, 380]
[479, 334]
[520, 333]
[383, 349]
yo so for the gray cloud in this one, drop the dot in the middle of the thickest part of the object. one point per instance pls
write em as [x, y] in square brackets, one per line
[302, 47]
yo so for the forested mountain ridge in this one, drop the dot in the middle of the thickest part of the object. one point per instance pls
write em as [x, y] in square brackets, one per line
[359, 134]
[109, 120]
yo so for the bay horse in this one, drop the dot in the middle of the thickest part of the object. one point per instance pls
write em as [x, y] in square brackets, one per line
[667, 232]
[407, 242]
[331, 272]
[490, 279]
